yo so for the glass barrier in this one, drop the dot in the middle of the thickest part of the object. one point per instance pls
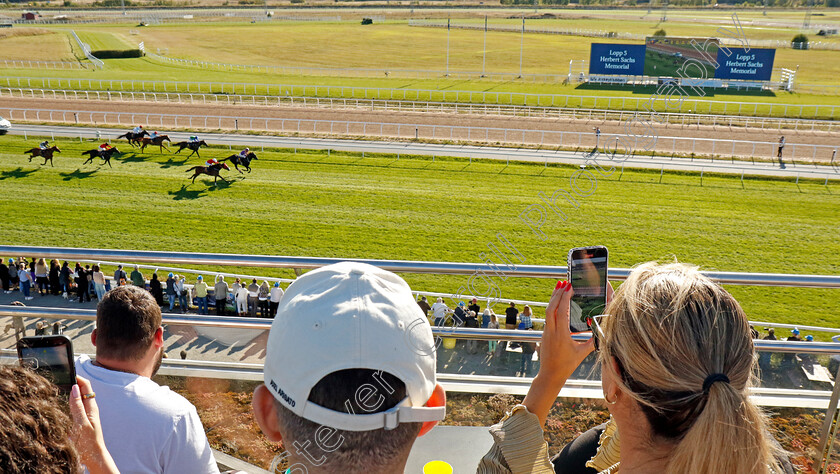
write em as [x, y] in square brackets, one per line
[218, 367]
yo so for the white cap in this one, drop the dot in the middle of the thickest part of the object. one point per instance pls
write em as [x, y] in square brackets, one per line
[351, 316]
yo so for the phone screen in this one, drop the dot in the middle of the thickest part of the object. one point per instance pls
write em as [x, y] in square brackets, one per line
[588, 275]
[51, 357]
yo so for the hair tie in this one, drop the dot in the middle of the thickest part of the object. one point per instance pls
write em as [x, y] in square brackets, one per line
[707, 384]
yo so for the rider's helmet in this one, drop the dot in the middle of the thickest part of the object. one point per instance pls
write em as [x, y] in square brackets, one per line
[246, 149]
[140, 126]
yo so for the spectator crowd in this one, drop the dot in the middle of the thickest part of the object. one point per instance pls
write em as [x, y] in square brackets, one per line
[85, 283]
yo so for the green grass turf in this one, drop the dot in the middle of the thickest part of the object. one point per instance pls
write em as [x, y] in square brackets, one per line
[103, 40]
[120, 73]
[341, 205]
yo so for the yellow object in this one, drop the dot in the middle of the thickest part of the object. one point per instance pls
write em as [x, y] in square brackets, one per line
[449, 342]
[437, 467]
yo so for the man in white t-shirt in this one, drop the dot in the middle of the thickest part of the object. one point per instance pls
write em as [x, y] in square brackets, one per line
[147, 428]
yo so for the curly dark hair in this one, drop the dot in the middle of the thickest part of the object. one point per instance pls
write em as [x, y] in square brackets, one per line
[34, 425]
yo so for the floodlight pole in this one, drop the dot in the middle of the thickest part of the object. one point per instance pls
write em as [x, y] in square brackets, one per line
[448, 20]
[484, 53]
[123, 6]
[521, 45]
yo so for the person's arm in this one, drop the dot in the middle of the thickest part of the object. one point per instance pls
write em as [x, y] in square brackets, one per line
[559, 354]
[87, 432]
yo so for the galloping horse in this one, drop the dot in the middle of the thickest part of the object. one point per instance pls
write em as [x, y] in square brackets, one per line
[158, 140]
[46, 154]
[133, 138]
[238, 160]
[210, 171]
[194, 146]
[105, 155]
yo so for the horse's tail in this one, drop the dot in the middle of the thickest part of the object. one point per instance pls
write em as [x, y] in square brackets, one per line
[89, 152]
[124, 135]
[192, 169]
[31, 150]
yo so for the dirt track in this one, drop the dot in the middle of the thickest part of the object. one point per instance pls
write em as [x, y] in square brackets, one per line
[529, 130]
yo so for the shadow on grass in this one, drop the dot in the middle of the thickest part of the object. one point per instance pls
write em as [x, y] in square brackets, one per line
[651, 90]
[16, 173]
[185, 193]
[218, 185]
[173, 163]
[78, 174]
[133, 158]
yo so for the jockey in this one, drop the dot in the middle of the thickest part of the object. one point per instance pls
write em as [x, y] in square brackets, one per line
[104, 147]
[44, 144]
[244, 153]
[193, 139]
[211, 162]
[137, 129]
[154, 135]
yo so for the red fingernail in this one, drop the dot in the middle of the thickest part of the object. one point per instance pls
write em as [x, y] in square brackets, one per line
[559, 284]
[569, 287]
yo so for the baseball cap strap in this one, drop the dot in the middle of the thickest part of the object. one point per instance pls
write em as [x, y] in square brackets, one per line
[403, 412]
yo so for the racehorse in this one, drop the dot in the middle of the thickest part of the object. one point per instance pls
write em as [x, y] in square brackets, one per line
[238, 160]
[133, 138]
[46, 154]
[194, 146]
[158, 140]
[105, 155]
[210, 171]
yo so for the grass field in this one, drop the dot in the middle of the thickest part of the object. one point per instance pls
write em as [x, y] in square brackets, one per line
[395, 45]
[340, 205]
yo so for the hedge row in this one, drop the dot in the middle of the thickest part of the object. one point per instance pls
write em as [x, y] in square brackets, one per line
[117, 53]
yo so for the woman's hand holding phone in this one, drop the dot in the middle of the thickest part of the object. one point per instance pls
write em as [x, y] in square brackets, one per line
[559, 353]
[87, 431]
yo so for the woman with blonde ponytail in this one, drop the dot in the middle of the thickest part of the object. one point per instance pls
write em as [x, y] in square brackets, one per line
[677, 361]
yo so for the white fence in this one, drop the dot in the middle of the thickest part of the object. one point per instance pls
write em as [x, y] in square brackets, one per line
[26, 63]
[86, 49]
[517, 28]
[450, 133]
[599, 115]
[692, 105]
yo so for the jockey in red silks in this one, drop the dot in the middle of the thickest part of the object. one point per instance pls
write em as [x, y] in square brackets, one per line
[211, 162]
[104, 147]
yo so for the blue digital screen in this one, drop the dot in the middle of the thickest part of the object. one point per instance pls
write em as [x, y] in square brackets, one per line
[624, 59]
[755, 64]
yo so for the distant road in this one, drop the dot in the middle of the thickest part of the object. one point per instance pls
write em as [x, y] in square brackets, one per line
[821, 172]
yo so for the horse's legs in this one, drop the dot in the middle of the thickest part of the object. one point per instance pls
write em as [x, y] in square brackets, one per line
[194, 176]
[108, 160]
[162, 147]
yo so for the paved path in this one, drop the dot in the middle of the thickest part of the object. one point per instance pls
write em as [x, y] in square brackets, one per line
[820, 172]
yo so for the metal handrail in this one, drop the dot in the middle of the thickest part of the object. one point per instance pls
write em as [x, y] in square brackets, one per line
[480, 334]
[399, 266]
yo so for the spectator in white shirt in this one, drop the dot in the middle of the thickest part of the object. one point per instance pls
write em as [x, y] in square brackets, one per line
[439, 310]
[147, 428]
[274, 300]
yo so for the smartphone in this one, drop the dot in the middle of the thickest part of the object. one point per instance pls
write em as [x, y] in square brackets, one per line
[588, 275]
[50, 357]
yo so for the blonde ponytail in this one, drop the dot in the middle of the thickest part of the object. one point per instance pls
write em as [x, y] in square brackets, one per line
[728, 435]
[684, 352]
